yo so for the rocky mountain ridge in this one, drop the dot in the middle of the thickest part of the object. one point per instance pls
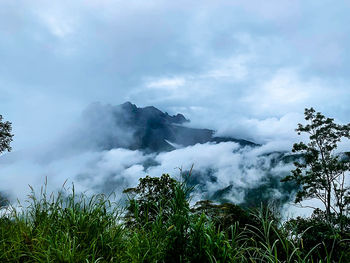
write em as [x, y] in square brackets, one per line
[156, 131]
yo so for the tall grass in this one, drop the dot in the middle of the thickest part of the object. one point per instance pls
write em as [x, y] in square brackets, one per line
[66, 227]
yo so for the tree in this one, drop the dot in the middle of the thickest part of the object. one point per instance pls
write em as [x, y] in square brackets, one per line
[5, 135]
[321, 172]
[161, 204]
[224, 215]
[151, 196]
[5, 140]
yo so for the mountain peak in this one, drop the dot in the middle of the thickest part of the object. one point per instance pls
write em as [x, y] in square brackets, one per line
[128, 105]
[152, 130]
[152, 113]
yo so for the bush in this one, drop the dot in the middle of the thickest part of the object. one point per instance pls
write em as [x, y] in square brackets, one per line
[66, 227]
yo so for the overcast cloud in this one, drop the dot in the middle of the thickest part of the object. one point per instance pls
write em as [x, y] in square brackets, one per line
[244, 68]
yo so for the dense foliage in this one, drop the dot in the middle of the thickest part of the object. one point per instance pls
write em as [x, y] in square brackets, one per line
[76, 228]
[5, 135]
[321, 172]
[5, 141]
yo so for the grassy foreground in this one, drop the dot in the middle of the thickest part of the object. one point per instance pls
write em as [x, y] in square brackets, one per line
[66, 227]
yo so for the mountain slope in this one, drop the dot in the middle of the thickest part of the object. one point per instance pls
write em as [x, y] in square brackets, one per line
[155, 131]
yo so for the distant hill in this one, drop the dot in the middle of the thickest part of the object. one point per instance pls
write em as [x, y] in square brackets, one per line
[155, 131]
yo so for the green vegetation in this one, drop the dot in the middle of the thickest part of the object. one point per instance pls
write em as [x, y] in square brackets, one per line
[5, 141]
[321, 172]
[158, 224]
[67, 227]
[5, 135]
[322, 175]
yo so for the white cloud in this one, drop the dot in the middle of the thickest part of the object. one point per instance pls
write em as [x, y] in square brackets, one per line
[265, 129]
[60, 19]
[58, 26]
[166, 83]
[283, 92]
[233, 68]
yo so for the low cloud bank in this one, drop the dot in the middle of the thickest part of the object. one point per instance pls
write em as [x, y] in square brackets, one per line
[225, 167]
[92, 155]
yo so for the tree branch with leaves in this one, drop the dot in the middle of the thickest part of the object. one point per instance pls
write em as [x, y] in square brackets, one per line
[321, 172]
[5, 135]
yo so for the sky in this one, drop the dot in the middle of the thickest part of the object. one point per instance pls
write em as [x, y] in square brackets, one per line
[243, 68]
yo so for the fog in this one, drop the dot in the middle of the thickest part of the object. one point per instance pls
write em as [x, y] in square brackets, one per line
[93, 156]
[245, 69]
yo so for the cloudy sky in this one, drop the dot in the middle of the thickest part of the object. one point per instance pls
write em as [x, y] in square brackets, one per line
[244, 68]
[231, 65]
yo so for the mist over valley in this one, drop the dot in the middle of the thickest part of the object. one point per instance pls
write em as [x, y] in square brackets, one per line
[110, 147]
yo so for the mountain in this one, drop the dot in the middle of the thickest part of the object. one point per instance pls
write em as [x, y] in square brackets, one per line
[244, 176]
[155, 131]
